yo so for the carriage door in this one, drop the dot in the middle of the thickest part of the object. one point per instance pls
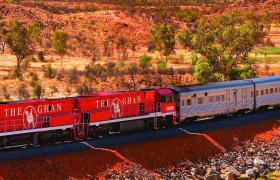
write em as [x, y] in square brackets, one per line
[228, 100]
[244, 96]
[235, 99]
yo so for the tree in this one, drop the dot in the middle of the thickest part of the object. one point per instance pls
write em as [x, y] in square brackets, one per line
[145, 67]
[163, 38]
[132, 71]
[122, 46]
[224, 42]
[204, 72]
[59, 43]
[21, 40]
[145, 62]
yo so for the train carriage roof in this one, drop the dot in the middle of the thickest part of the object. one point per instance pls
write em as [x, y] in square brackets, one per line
[269, 79]
[225, 85]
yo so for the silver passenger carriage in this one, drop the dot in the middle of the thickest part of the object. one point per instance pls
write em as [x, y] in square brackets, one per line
[220, 98]
[267, 91]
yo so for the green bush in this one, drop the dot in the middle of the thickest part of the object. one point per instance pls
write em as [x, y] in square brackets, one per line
[161, 65]
[50, 72]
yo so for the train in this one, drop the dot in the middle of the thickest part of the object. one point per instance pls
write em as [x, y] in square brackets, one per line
[46, 121]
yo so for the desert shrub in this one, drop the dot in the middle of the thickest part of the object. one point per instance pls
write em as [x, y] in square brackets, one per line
[41, 56]
[53, 90]
[6, 94]
[38, 91]
[194, 59]
[93, 22]
[96, 70]
[13, 1]
[60, 75]
[145, 62]
[110, 68]
[181, 57]
[34, 79]
[83, 89]
[161, 65]
[73, 75]
[190, 70]
[23, 92]
[34, 76]
[89, 9]
[188, 15]
[50, 72]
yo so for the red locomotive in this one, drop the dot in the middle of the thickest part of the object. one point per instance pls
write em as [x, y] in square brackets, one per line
[39, 121]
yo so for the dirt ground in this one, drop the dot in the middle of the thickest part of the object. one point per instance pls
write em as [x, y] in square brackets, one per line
[149, 155]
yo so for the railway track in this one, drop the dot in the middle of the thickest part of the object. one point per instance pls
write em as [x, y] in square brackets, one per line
[21, 152]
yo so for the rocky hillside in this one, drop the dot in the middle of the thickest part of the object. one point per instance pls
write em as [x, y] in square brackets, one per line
[93, 27]
[87, 26]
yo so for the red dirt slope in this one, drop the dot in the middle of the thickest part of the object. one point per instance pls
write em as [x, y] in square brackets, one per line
[147, 155]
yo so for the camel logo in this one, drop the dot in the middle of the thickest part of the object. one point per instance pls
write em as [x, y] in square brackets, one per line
[29, 117]
[116, 108]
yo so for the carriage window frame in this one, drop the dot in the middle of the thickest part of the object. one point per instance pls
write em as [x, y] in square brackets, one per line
[223, 98]
[262, 92]
[211, 99]
[218, 98]
[257, 92]
[271, 90]
[276, 90]
[189, 102]
[266, 91]
[200, 100]
[183, 103]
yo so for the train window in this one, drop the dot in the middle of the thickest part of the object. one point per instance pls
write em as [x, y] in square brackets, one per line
[183, 103]
[223, 97]
[189, 102]
[200, 100]
[266, 91]
[271, 90]
[105, 103]
[194, 95]
[170, 99]
[206, 94]
[257, 93]
[276, 90]
[211, 99]
[252, 93]
[262, 93]
[218, 98]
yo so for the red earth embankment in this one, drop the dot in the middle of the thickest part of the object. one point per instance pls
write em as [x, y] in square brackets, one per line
[149, 155]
